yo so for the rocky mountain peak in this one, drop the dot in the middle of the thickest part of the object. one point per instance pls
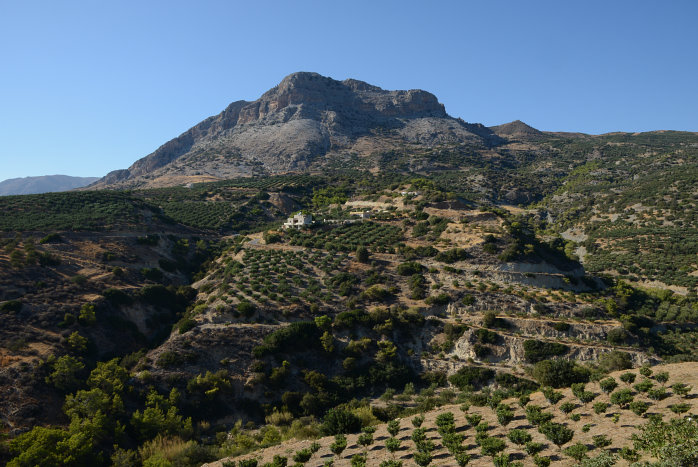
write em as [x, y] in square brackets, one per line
[294, 125]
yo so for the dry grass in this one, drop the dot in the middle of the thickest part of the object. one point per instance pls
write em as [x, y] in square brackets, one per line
[599, 424]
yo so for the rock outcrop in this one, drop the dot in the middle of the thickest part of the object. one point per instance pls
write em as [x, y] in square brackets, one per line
[291, 126]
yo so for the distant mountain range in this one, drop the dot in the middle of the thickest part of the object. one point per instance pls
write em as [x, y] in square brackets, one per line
[43, 184]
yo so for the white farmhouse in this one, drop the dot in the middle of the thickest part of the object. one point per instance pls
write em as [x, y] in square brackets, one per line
[363, 215]
[298, 221]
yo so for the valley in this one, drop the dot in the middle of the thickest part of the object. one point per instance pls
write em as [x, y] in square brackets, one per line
[164, 315]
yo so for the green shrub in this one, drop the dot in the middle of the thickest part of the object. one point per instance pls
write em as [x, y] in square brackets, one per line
[362, 254]
[628, 377]
[532, 448]
[302, 455]
[536, 351]
[117, 297]
[600, 407]
[339, 444]
[601, 441]
[559, 373]
[491, 446]
[536, 415]
[577, 451]
[296, 336]
[607, 385]
[12, 306]
[672, 443]
[471, 377]
[186, 324]
[438, 300]
[65, 373]
[409, 268]
[246, 308]
[556, 433]
[519, 436]
[451, 256]
[340, 421]
[622, 397]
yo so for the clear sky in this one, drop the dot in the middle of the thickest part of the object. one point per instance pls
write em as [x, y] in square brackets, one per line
[87, 87]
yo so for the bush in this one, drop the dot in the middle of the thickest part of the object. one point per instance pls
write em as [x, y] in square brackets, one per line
[340, 421]
[491, 446]
[577, 451]
[489, 319]
[519, 436]
[504, 414]
[680, 408]
[556, 433]
[409, 268]
[246, 308]
[87, 314]
[13, 306]
[471, 377]
[438, 300]
[451, 256]
[552, 395]
[536, 351]
[65, 373]
[536, 416]
[302, 455]
[559, 373]
[628, 378]
[152, 274]
[567, 407]
[362, 254]
[296, 336]
[377, 293]
[617, 336]
[117, 297]
[615, 360]
[600, 407]
[186, 324]
[674, 443]
[607, 385]
[339, 444]
[622, 397]
[601, 441]
[662, 377]
[681, 389]
[532, 448]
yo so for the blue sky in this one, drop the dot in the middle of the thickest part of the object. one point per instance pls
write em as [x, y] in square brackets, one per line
[87, 87]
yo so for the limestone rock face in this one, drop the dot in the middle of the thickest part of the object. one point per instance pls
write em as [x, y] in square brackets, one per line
[293, 125]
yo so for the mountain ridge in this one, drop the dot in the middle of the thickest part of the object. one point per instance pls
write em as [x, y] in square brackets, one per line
[43, 184]
[304, 117]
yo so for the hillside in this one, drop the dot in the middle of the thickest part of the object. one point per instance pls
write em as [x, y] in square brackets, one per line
[615, 195]
[43, 184]
[305, 123]
[171, 320]
[601, 428]
[217, 319]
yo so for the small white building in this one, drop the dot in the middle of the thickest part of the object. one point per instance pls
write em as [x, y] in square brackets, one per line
[363, 215]
[298, 221]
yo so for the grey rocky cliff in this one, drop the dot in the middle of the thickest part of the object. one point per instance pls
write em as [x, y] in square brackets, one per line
[292, 125]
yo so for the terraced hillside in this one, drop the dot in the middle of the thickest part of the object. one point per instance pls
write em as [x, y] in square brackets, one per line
[182, 325]
[610, 425]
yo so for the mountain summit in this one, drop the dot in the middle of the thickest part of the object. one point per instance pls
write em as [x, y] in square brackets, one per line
[304, 123]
